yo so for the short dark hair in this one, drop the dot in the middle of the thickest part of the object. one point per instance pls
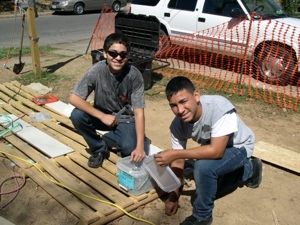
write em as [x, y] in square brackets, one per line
[118, 38]
[179, 83]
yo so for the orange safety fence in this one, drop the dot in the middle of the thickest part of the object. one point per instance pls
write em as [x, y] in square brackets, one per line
[104, 26]
[229, 58]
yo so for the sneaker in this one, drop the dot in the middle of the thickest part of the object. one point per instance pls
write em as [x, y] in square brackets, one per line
[96, 160]
[256, 178]
[191, 220]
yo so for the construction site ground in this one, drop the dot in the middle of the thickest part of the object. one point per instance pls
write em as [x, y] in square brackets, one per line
[40, 201]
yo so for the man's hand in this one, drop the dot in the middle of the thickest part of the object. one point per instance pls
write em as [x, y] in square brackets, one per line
[137, 155]
[164, 158]
[109, 120]
[171, 204]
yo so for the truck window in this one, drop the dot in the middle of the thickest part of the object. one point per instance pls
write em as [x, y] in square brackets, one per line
[220, 7]
[183, 5]
[145, 2]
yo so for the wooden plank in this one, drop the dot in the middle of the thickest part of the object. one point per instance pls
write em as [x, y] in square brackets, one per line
[61, 107]
[5, 221]
[107, 176]
[17, 106]
[277, 155]
[62, 176]
[53, 133]
[94, 181]
[37, 138]
[58, 107]
[14, 99]
[60, 194]
[24, 88]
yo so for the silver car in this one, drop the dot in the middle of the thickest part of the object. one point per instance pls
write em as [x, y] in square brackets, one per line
[80, 6]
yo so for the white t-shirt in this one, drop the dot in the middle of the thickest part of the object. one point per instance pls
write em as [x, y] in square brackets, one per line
[227, 124]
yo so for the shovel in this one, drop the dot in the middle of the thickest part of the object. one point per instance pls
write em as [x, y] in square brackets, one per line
[19, 67]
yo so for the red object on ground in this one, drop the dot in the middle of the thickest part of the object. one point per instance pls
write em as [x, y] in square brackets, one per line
[44, 99]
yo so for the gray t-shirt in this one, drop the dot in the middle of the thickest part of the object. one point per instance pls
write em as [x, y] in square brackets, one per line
[213, 108]
[112, 92]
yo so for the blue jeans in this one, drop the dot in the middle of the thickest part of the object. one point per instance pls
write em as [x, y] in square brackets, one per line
[124, 134]
[215, 177]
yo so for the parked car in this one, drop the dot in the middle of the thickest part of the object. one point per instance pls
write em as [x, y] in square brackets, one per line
[258, 28]
[80, 6]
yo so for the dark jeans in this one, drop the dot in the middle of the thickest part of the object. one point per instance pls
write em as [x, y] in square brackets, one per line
[124, 134]
[213, 178]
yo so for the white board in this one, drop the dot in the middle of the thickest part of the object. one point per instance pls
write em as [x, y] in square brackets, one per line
[45, 143]
[61, 107]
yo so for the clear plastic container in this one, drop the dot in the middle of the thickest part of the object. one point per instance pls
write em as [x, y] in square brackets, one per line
[133, 176]
[163, 176]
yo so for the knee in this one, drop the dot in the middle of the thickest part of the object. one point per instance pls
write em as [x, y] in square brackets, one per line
[202, 169]
[126, 148]
[77, 116]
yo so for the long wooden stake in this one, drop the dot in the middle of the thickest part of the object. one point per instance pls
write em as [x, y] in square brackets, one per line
[33, 40]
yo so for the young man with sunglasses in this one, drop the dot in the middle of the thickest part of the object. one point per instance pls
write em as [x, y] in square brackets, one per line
[118, 107]
[222, 159]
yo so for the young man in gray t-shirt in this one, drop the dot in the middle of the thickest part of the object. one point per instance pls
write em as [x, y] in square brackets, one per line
[222, 159]
[118, 104]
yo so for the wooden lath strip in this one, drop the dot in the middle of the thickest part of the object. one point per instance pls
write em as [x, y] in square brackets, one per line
[58, 174]
[109, 176]
[15, 86]
[20, 110]
[276, 155]
[94, 181]
[23, 87]
[42, 141]
[82, 211]
[31, 105]
[41, 126]
[61, 175]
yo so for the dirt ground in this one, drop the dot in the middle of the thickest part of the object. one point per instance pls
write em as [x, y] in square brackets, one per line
[276, 201]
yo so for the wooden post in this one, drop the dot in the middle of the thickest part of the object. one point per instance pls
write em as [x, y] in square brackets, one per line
[33, 40]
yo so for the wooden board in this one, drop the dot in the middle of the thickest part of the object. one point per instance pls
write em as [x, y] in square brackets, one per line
[276, 155]
[5, 222]
[82, 190]
[43, 142]
[61, 107]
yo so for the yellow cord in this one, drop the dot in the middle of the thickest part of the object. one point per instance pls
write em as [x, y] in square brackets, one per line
[77, 192]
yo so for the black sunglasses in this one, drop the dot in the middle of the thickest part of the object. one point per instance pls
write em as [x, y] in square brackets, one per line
[115, 54]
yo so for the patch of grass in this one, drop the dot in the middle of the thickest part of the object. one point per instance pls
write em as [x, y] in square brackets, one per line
[14, 51]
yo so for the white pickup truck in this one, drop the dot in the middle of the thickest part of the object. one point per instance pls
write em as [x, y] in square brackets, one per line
[258, 29]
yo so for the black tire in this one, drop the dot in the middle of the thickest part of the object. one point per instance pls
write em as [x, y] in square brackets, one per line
[116, 6]
[275, 64]
[79, 9]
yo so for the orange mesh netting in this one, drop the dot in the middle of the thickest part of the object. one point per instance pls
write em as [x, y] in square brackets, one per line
[225, 58]
[104, 26]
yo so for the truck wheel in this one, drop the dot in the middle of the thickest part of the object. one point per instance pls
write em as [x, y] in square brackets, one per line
[79, 9]
[275, 64]
[116, 6]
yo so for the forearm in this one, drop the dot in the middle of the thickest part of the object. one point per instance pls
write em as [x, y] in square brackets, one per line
[84, 106]
[177, 167]
[140, 127]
